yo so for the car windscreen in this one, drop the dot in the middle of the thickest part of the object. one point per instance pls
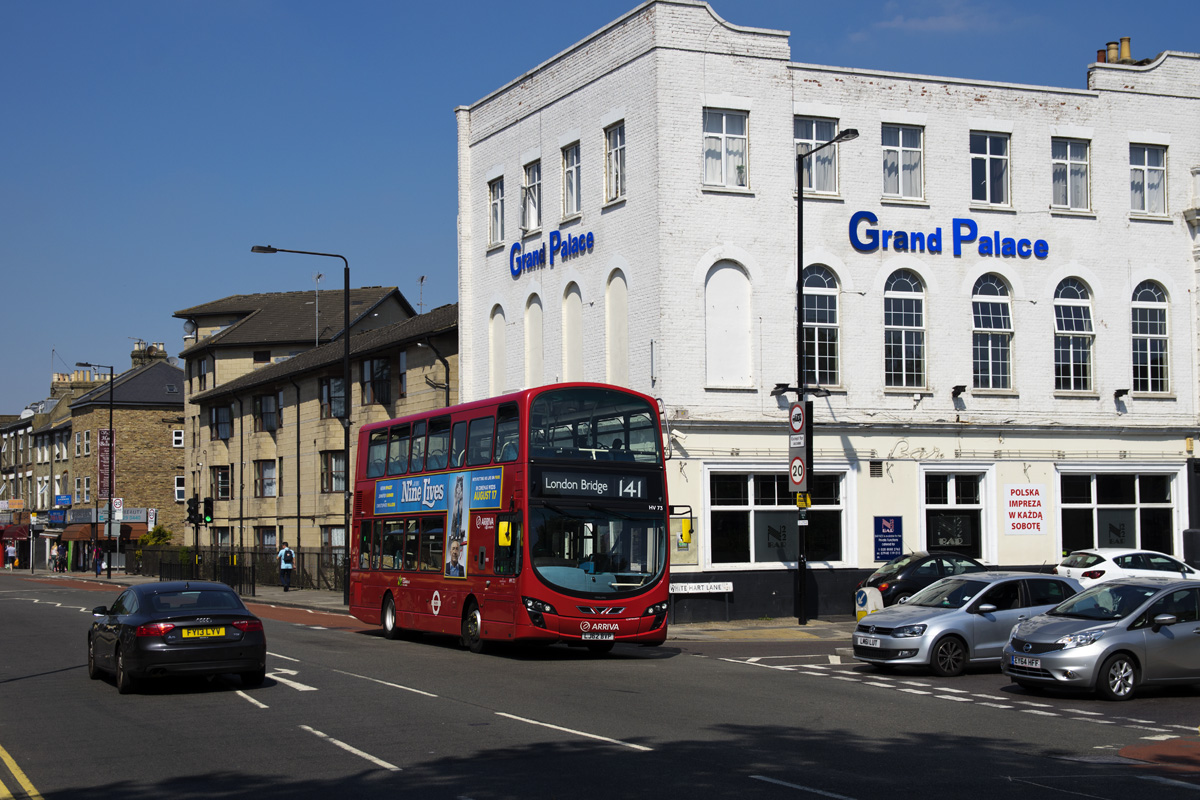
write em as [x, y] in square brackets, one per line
[1105, 601]
[1082, 560]
[188, 601]
[947, 593]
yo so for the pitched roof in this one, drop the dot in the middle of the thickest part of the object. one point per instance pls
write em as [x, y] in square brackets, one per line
[438, 321]
[285, 317]
[158, 384]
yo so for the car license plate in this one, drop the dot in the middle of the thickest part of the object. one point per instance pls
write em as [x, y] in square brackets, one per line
[863, 641]
[597, 637]
[202, 633]
[1026, 661]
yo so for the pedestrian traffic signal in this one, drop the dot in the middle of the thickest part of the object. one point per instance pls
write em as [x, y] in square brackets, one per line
[208, 510]
[193, 510]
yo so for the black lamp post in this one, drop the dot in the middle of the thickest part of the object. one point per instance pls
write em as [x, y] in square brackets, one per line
[112, 446]
[801, 389]
[345, 405]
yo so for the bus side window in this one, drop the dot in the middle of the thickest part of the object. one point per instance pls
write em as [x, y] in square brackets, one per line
[508, 544]
[439, 443]
[458, 444]
[479, 442]
[375, 454]
[433, 535]
[507, 427]
[392, 536]
[412, 538]
[417, 462]
[398, 451]
[364, 545]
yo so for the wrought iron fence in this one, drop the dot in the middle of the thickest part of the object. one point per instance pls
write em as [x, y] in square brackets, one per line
[244, 569]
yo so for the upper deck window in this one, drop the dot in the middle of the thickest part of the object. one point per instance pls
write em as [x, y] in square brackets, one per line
[593, 424]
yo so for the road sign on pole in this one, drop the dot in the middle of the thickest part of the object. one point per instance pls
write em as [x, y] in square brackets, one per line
[798, 447]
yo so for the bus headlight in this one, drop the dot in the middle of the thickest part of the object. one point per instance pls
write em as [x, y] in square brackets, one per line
[659, 611]
[536, 608]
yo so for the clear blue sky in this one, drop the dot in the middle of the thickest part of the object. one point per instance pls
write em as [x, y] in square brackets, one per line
[147, 145]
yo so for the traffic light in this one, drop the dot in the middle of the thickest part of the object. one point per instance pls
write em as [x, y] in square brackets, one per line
[208, 510]
[193, 509]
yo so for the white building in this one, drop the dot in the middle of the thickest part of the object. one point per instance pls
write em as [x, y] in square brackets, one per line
[999, 283]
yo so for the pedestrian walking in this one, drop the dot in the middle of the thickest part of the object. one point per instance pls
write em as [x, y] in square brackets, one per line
[10, 555]
[97, 559]
[287, 563]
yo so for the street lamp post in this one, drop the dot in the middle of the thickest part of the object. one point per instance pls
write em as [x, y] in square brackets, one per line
[345, 405]
[112, 446]
[802, 389]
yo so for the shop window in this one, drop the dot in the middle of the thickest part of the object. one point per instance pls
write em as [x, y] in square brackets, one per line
[754, 519]
[1117, 510]
[992, 336]
[953, 513]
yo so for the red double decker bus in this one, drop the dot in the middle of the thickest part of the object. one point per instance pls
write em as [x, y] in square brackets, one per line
[538, 516]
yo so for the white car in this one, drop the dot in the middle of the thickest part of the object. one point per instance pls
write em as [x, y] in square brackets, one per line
[1100, 564]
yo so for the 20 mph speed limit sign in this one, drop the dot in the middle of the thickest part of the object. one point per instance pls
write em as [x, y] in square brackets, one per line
[797, 472]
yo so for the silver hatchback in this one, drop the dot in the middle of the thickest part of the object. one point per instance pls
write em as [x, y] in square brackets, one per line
[1111, 638]
[956, 621]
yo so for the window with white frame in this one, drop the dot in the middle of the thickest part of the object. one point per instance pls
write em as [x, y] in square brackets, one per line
[203, 373]
[1148, 179]
[87, 443]
[817, 173]
[1150, 364]
[753, 518]
[989, 168]
[954, 513]
[904, 330]
[1073, 337]
[725, 148]
[531, 198]
[1118, 510]
[180, 488]
[572, 193]
[220, 482]
[496, 211]
[614, 162]
[78, 443]
[333, 471]
[821, 354]
[991, 346]
[903, 148]
[87, 490]
[177, 437]
[1069, 172]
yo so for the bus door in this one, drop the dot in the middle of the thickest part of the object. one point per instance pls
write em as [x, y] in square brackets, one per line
[370, 583]
[501, 588]
[406, 605]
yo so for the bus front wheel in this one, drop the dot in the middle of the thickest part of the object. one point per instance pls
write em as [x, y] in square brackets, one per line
[472, 623]
[391, 628]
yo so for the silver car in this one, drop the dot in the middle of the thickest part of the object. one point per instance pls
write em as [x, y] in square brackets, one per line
[1113, 637]
[956, 621]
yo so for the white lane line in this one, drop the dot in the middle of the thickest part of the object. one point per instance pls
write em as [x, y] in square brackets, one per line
[250, 699]
[879, 683]
[995, 705]
[1094, 720]
[1162, 737]
[1084, 713]
[954, 697]
[297, 685]
[1039, 713]
[379, 762]
[1030, 703]
[1145, 728]
[574, 732]
[1139, 721]
[956, 691]
[285, 658]
[915, 691]
[847, 678]
[765, 666]
[385, 683]
[800, 788]
[914, 683]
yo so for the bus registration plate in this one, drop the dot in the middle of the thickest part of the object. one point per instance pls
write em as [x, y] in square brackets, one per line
[595, 637]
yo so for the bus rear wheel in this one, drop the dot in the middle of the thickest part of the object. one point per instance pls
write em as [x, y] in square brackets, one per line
[391, 629]
[472, 623]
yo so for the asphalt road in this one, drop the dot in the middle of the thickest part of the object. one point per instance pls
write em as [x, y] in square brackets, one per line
[348, 713]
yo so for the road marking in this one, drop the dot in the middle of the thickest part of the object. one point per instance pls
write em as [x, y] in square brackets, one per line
[1139, 721]
[250, 699]
[1085, 713]
[385, 683]
[575, 732]
[1144, 728]
[915, 691]
[1039, 713]
[954, 697]
[299, 687]
[914, 683]
[1030, 703]
[847, 678]
[956, 691]
[30, 792]
[1094, 720]
[995, 705]
[379, 762]
[800, 788]
[879, 683]
[285, 658]
[1162, 737]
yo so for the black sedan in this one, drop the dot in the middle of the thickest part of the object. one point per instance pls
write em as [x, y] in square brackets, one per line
[904, 576]
[176, 628]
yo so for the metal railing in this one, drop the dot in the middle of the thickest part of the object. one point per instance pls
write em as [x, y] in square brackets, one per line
[244, 569]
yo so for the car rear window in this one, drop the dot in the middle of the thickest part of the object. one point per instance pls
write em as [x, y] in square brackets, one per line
[1083, 560]
[197, 600]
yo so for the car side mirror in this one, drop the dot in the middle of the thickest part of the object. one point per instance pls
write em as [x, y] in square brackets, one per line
[99, 611]
[986, 608]
[1163, 619]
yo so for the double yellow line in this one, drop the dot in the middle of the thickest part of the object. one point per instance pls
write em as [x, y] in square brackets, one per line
[27, 788]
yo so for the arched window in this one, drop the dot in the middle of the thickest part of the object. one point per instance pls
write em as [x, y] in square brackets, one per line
[572, 333]
[533, 341]
[496, 352]
[991, 346]
[821, 362]
[616, 329]
[727, 326]
[904, 330]
[1150, 373]
[1073, 337]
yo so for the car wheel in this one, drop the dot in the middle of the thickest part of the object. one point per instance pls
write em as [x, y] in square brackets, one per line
[901, 599]
[472, 622]
[949, 657]
[599, 648]
[125, 681]
[391, 630]
[93, 671]
[254, 678]
[1118, 677]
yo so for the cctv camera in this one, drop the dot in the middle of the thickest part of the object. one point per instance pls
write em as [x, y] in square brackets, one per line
[679, 435]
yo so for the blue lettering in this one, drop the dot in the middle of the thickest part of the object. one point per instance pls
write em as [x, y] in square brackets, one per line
[887, 238]
[960, 238]
[1041, 248]
[514, 266]
[555, 245]
[589, 240]
[1008, 248]
[1023, 248]
[542, 255]
[900, 242]
[935, 241]
[917, 241]
[985, 247]
[872, 242]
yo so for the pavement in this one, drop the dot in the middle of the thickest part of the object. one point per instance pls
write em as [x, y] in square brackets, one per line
[773, 630]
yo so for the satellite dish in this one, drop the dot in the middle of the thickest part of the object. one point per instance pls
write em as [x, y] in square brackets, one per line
[189, 326]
